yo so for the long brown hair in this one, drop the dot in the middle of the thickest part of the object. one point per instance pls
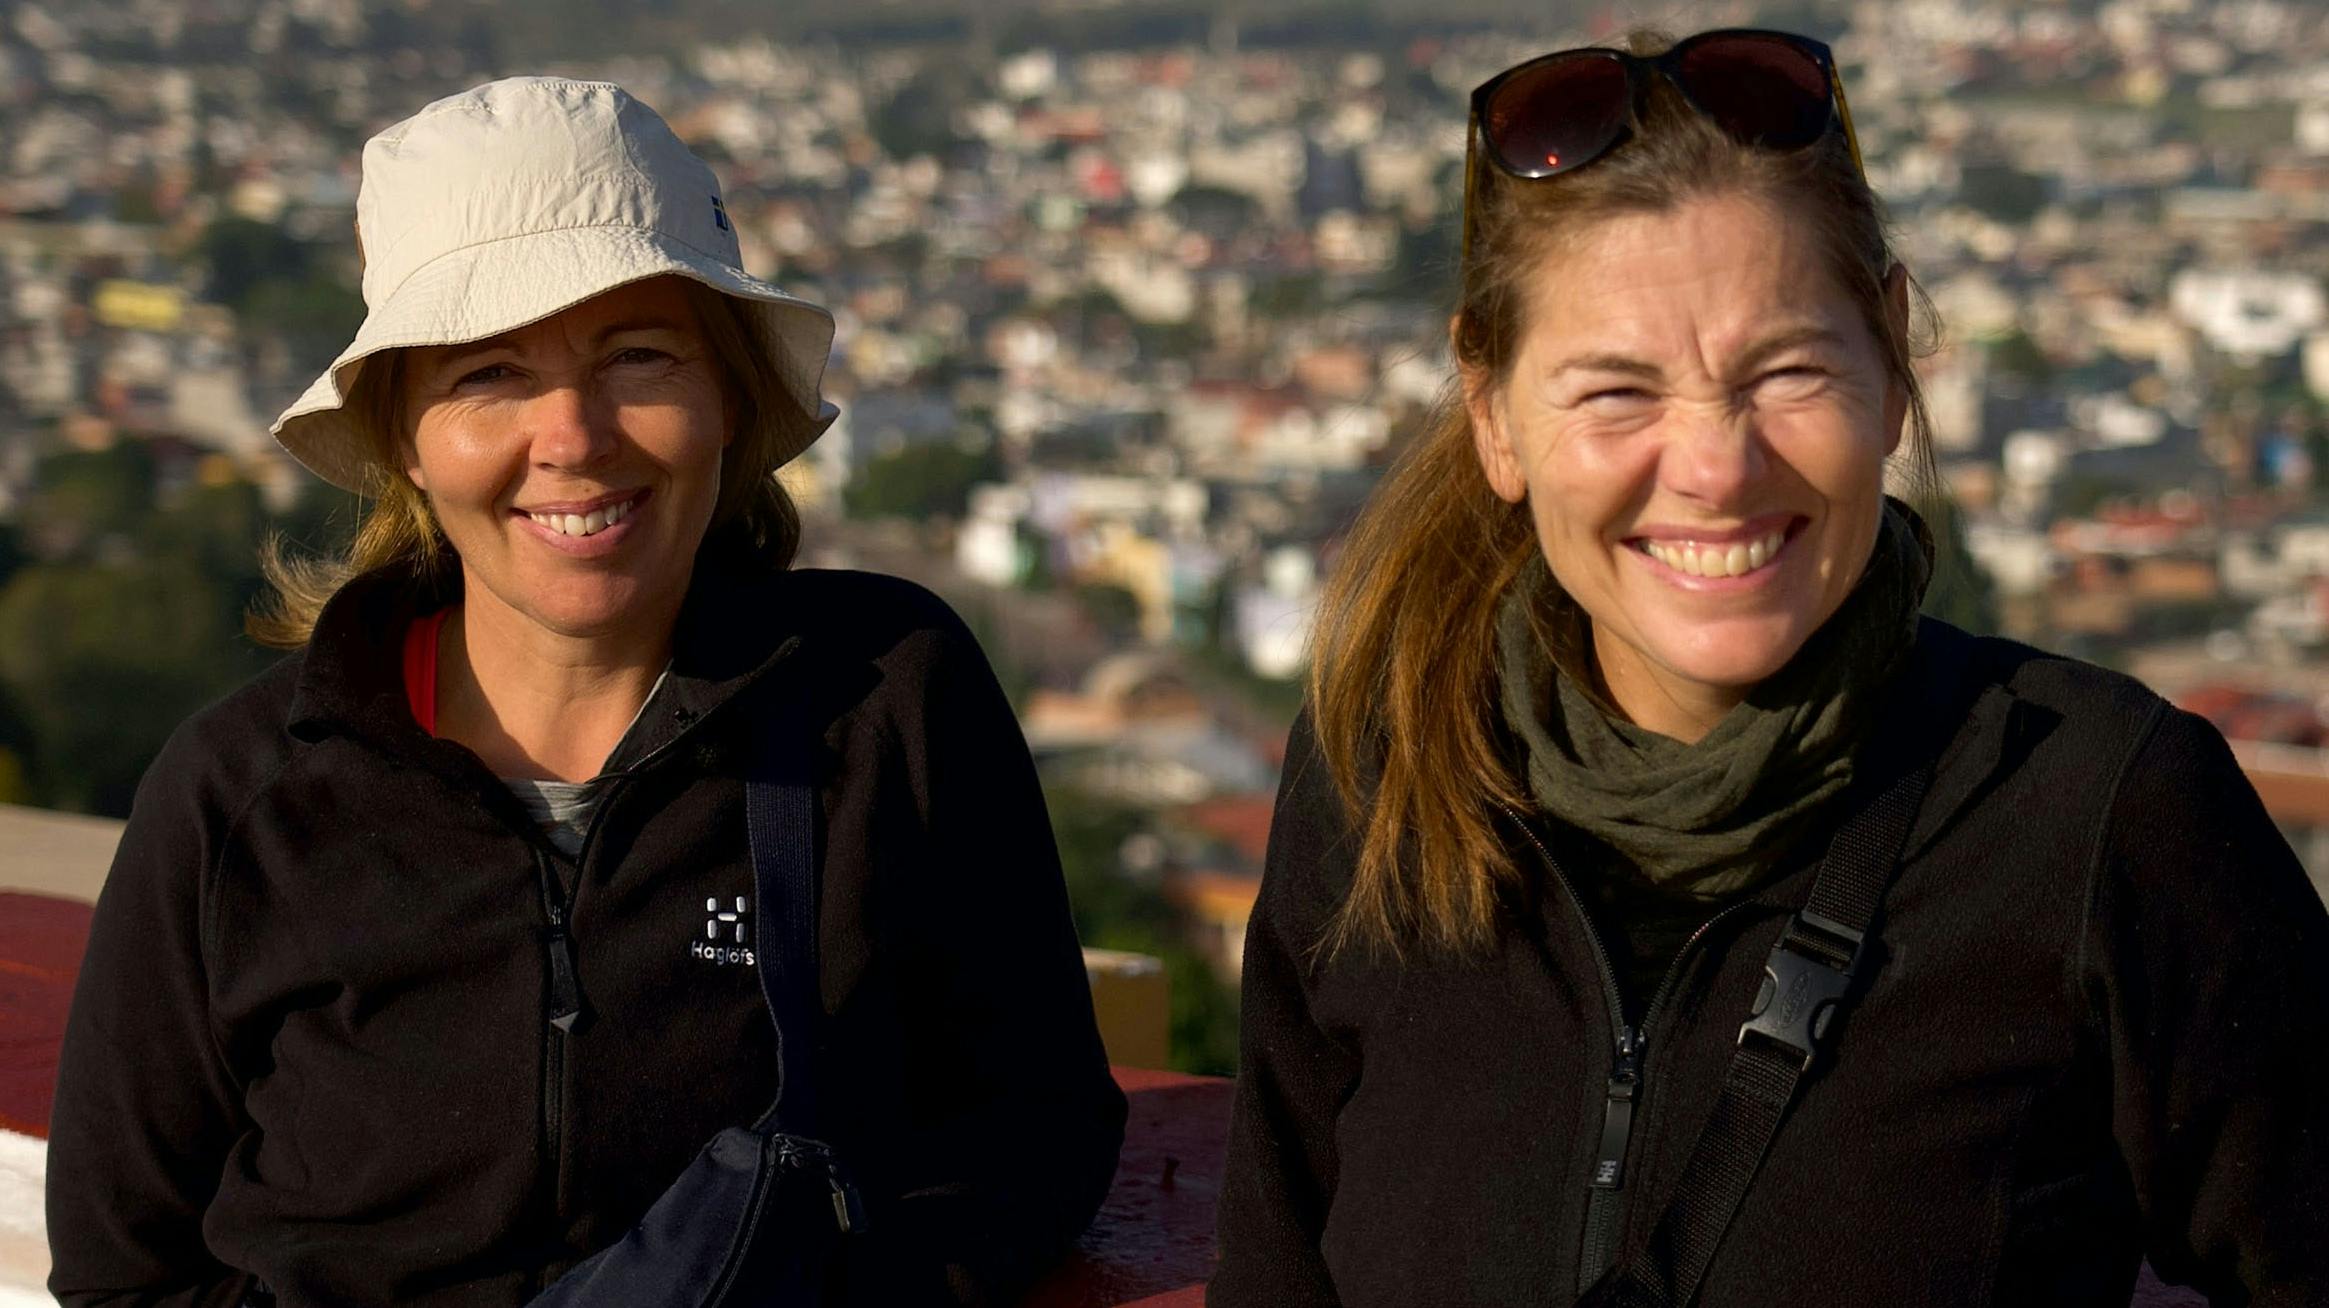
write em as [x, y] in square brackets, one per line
[1403, 676]
[398, 528]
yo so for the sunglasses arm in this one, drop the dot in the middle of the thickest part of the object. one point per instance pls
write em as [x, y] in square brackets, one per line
[1471, 184]
[1844, 115]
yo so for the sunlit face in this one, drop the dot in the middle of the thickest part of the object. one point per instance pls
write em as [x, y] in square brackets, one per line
[1698, 418]
[574, 464]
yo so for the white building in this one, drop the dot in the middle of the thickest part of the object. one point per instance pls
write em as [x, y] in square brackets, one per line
[2250, 314]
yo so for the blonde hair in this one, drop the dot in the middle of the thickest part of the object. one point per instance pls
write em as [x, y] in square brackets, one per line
[398, 529]
[1403, 682]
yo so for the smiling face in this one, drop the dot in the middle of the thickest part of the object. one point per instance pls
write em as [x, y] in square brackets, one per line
[575, 464]
[1698, 417]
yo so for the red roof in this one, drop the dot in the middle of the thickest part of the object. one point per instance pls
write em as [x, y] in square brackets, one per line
[1240, 821]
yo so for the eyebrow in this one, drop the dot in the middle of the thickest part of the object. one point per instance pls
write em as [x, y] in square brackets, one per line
[1618, 363]
[1763, 350]
[1752, 358]
[507, 340]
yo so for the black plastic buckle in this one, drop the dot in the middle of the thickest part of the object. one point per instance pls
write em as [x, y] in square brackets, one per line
[1801, 994]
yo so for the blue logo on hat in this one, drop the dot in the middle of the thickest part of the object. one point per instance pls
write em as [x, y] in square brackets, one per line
[720, 213]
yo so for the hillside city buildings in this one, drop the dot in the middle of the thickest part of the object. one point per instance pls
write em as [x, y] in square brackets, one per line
[1188, 299]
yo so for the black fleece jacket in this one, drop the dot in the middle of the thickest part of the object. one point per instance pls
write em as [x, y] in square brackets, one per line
[2095, 1033]
[311, 1045]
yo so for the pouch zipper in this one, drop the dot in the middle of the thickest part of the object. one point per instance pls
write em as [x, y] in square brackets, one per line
[1622, 1101]
[779, 1154]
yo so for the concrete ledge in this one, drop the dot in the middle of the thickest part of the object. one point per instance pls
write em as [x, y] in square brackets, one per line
[24, 1249]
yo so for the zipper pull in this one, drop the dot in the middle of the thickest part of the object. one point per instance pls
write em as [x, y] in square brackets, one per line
[1617, 1113]
[848, 1206]
[565, 986]
[566, 1015]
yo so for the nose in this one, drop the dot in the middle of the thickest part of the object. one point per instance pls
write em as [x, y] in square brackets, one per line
[1715, 458]
[567, 427]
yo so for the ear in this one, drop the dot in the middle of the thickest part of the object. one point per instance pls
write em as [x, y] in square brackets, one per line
[1491, 436]
[408, 453]
[1896, 322]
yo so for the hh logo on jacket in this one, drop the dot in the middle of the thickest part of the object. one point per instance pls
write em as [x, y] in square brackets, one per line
[727, 936]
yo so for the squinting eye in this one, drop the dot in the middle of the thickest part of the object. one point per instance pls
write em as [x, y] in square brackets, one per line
[490, 373]
[640, 354]
[1617, 396]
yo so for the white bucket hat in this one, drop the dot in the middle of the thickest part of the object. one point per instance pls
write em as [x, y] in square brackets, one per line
[510, 202]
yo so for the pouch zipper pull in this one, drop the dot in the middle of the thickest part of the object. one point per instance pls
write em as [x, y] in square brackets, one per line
[800, 1152]
[1617, 1113]
[848, 1207]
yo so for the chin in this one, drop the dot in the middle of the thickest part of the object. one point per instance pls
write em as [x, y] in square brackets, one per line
[1737, 654]
[587, 611]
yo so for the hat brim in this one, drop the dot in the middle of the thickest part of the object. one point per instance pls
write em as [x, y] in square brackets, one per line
[499, 286]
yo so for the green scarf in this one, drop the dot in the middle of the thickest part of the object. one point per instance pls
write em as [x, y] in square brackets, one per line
[1716, 817]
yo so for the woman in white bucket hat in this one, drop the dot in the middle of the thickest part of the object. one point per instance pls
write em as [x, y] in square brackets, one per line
[428, 960]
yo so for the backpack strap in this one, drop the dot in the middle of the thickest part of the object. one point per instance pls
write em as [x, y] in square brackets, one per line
[1811, 979]
[780, 821]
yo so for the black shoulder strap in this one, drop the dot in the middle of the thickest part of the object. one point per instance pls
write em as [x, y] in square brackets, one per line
[1809, 980]
[780, 819]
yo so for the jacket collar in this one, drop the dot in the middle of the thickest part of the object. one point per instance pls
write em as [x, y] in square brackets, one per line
[733, 627]
[1978, 724]
[1947, 707]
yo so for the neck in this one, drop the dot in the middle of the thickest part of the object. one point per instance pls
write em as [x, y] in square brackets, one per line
[532, 702]
[1683, 711]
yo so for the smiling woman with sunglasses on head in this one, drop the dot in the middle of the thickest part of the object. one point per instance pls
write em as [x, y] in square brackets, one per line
[1658, 910]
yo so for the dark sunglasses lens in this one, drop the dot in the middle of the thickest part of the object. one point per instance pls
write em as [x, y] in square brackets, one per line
[1555, 115]
[1760, 89]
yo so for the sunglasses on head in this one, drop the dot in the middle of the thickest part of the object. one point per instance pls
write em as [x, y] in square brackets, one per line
[1559, 112]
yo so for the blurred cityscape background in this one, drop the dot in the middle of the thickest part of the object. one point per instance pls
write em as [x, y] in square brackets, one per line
[1136, 301]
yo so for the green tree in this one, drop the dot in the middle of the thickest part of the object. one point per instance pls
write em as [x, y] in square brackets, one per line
[242, 254]
[124, 619]
[279, 290]
[919, 119]
[15, 753]
[1113, 910]
[928, 480]
[11, 552]
[2002, 192]
[1294, 295]
[1111, 607]
[83, 496]
[1216, 210]
[215, 528]
[311, 315]
[2016, 355]
[1961, 593]
[106, 659]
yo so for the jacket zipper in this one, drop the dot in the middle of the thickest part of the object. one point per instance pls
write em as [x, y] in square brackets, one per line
[568, 1007]
[565, 1013]
[1605, 1184]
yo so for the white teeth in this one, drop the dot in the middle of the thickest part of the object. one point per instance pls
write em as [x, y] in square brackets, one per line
[1716, 560]
[584, 524]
